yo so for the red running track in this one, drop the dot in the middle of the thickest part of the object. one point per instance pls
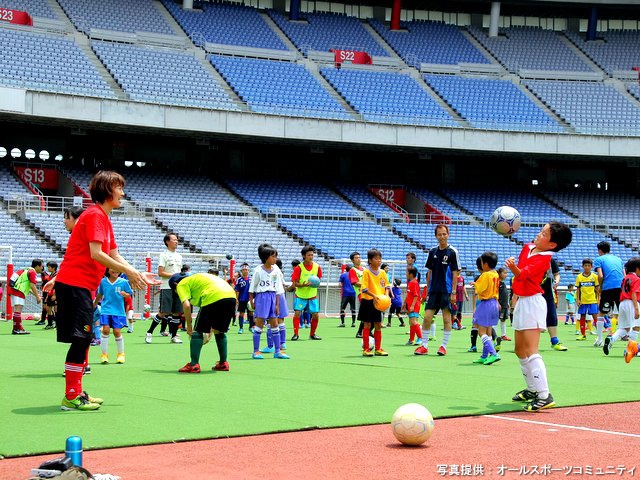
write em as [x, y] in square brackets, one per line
[556, 443]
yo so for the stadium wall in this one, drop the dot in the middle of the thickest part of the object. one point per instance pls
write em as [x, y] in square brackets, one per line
[124, 114]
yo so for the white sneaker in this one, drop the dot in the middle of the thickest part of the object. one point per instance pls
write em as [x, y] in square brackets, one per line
[598, 343]
[176, 340]
[148, 338]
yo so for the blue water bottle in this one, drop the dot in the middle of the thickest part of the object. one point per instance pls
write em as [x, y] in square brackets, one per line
[73, 450]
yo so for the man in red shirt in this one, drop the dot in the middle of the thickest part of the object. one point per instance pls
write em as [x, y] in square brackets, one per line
[25, 282]
[530, 312]
[90, 249]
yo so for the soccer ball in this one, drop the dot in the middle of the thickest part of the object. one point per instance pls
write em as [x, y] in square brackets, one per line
[314, 281]
[412, 424]
[505, 220]
[381, 302]
[372, 343]
[146, 308]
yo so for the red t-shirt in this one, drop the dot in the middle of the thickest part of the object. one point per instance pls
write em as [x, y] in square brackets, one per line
[533, 269]
[78, 269]
[630, 284]
[33, 278]
[413, 291]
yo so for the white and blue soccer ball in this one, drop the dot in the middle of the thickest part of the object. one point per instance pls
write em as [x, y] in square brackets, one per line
[505, 220]
[146, 308]
[412, 424]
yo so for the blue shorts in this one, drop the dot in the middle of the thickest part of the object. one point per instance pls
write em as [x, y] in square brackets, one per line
[438, 301]
[265, 305]
[588, 309]
[284, 310]
[486, 314]
[311, 304]
[414, 315]
[113, 321]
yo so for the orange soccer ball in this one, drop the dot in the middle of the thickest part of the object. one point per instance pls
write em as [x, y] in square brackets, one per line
[381, 302]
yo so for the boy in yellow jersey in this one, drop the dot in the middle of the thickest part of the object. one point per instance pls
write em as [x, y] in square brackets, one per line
[587, 296]
[306, 295]
[217, 302]
[374, 282]
[488, 309]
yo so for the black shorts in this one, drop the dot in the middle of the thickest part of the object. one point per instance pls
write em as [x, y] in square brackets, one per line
[170, 302]
[609, 298]
[368, 313]
[50, 300]
[393, 310]
[242, 306]
[351, 301]
[504, 312]
[437, 301]
[216, 316]
[552, 313]
[74, 318]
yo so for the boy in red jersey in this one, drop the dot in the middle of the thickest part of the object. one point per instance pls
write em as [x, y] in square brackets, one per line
[530, 312]
[413, 303]
[374, 282]
[24, 283]
[91, 248]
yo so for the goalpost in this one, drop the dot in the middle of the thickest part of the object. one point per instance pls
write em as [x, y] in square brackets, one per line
[8, 310]
[198, 263]
[331, 290]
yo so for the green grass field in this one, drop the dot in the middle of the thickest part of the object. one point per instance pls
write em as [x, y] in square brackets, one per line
[325, 384]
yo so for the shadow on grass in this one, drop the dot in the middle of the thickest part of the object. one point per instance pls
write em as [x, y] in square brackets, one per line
[47, 410]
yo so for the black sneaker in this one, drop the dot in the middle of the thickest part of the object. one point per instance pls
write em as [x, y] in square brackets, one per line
[294, 338]
[540, 404]
[314, 337]
[41, 322]
[358, 335]
[524, 396]
[342, 325]
[607, 344]
[87, 370]
[20, 332]
[353, 325]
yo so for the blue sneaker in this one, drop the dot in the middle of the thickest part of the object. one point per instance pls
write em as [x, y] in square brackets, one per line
[281, 356]
[257, 356]
[472, 349]
[240, 330]
[268, 350]
[283, 346]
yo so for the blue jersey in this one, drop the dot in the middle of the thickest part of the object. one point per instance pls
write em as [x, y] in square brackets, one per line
[612, 270]
[112, 301]
[396, 301]
[442, 263]
[242, 287]
[347, 289]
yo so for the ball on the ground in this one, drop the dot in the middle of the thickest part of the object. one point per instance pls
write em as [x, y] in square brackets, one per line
[505, 220]
[206, 338]
[146, 308]
[314, 281]
[381, 302]
[412, 424]
[372, 343]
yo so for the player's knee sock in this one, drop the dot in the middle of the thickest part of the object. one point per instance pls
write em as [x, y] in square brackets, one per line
[173, 327]
[270, 342]
[600, 329]
[251, 321]
[51, 319]
[314, 326]
[377, 337]
[74, 368]
[538, 372]
[524, 367]
[17, 321]
[487, 346]
[583, 327]
[282, 329]
[425, 337]
[154, 323]
[432, 330]
[400, 320]
[503, 328]
[240, 320]
[353, 318]
[120, 344]
[474, 336]
[412, 333]
[97, 332]
[389, 319]
[275, 338]
[104, 344]
[494, 334]
[590, 325]
[446, 335]
[164, 322]
[342, 317]
[221, 343]
[418, 331]
[257, 331]
[296, 324]
[360, 327]
[366, 333]
[43, 315]
[195, 347]
[633, 335]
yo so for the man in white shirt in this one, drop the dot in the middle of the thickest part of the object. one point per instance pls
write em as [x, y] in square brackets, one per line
[171, 309]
